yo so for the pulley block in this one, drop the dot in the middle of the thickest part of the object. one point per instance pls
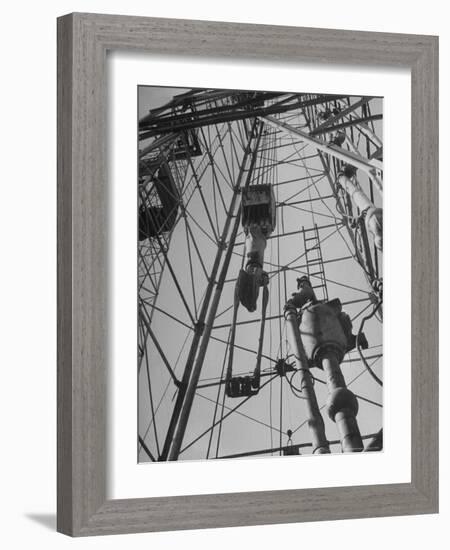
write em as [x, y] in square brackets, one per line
[242, 386]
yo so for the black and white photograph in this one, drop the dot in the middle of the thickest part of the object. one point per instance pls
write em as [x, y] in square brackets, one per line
[260, 274]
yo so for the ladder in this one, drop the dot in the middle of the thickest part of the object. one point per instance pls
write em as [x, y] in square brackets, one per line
[314, 262]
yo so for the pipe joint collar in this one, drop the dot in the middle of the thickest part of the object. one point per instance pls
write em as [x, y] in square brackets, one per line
[342, 399]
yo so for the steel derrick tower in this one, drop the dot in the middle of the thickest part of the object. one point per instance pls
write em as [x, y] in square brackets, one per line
[260, 216]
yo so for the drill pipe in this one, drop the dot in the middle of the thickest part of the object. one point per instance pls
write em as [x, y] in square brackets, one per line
[374, 215]
[342, 405]
[315, 420]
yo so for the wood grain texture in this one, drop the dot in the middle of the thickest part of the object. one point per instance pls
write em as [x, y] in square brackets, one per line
[425, 272]
[64, 198]
[83, 40]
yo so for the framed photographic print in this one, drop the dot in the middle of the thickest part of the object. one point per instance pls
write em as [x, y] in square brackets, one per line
[247, 263]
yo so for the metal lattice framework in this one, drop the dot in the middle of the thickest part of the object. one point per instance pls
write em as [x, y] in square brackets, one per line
[197, 154]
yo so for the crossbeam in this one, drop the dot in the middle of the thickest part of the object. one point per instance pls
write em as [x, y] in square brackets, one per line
[369, 166]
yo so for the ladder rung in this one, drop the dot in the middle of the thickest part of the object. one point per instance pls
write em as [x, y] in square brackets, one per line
[317, 273]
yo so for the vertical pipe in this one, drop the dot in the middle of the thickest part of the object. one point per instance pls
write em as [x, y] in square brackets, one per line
[374, 216]
[342, 405]
[265, 299]
[193, 382]
[358, 196]
[315, 420]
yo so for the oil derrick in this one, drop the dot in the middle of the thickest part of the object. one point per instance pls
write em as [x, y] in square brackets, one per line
[220, 353]
[173, 163]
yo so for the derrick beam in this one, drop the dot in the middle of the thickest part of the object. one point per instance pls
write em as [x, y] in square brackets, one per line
[369, 166]
[196, 119]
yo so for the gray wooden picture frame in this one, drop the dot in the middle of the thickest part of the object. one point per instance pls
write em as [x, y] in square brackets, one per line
[83, 41]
